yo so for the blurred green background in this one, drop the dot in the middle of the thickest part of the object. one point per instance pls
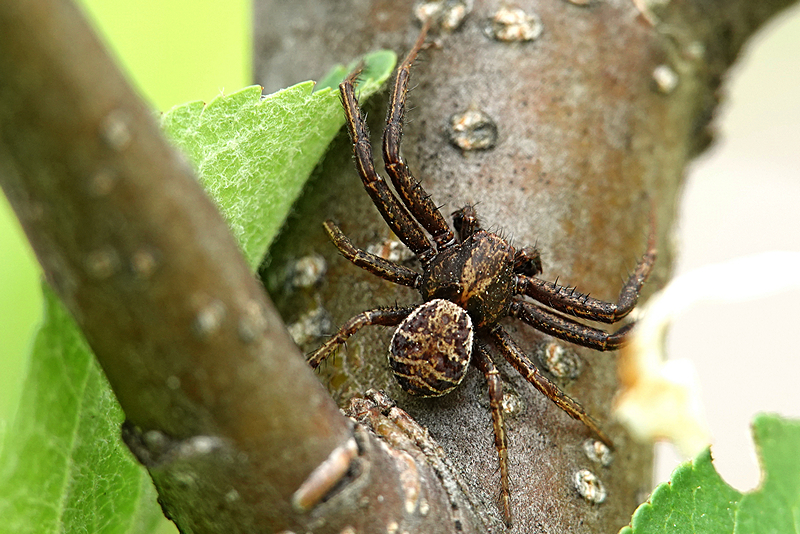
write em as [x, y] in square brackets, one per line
[173, 51]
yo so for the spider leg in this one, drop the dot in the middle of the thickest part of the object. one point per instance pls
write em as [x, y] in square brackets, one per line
[577, 304]
[526, 368]
[378, 266]
[564, 328]
[482, 361]
[380, 316]
[393, 212]
[408, 188]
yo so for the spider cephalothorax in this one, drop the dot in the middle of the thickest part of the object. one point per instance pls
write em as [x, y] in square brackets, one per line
[470, 279]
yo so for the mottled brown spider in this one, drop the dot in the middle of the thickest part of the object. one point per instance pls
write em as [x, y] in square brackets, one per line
[470, 280]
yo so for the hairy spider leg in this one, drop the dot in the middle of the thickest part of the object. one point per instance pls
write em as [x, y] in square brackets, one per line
[408, 188]
[381, 316]
[481, 360]
[372, 263]
[577, 304]
[526, 368]
[393, 212]
[564, 328]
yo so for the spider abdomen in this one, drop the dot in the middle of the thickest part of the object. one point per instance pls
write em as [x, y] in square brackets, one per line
[426, 364]
[476, 274]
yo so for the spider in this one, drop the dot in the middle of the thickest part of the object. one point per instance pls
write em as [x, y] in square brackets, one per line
[470, 280]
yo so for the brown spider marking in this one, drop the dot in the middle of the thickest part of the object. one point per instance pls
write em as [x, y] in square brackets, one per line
[427, 365]
[470, 280]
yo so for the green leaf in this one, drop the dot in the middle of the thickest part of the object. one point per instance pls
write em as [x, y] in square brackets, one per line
[696, 500]
[775, 507]
[254, 154]
[63, 467]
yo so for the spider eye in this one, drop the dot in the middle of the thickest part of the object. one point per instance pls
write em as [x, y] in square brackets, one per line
[431, 349]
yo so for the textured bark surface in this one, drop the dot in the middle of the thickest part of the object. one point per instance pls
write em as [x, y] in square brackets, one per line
[591, 135]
